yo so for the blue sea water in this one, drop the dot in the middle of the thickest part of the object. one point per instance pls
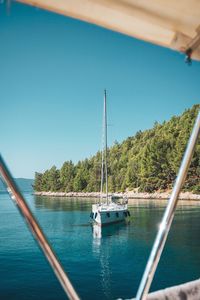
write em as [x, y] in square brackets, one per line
[101, 265]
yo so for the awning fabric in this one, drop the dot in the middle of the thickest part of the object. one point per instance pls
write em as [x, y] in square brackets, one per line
[169, 23]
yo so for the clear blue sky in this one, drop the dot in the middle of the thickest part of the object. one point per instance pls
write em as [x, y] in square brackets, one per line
[53, 71]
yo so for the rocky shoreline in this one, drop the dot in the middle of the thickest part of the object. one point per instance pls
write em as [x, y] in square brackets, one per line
[130, 195]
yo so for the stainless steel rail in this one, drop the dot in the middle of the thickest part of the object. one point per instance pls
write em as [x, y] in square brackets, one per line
[168, 216]
[159, 241]
[37, 232]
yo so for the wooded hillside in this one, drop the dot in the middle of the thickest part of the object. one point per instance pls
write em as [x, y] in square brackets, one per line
[148, 161]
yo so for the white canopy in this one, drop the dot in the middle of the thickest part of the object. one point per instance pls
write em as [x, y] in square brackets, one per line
[170, 23]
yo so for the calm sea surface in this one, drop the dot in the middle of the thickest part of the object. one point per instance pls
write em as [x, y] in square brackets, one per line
[101, 265]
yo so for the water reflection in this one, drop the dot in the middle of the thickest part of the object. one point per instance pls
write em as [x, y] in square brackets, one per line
[102, 247]
[97, 232]
[62, 203]
[162, 203]
[103, 263]
[109, 230]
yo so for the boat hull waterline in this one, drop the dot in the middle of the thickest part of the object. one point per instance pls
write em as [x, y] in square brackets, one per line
[103, 214]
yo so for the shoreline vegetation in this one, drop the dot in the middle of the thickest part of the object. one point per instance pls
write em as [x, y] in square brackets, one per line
[130, 195]
[146, 163]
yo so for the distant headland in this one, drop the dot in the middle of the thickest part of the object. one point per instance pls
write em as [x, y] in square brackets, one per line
[24, 184]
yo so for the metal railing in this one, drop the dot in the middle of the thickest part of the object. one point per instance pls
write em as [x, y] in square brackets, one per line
[159, 241]
[37, 232]
[168, 216]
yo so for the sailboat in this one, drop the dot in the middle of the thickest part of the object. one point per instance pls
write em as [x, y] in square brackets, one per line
[110, 208]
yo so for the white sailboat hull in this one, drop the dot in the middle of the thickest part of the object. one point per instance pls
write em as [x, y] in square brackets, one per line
[103, 214]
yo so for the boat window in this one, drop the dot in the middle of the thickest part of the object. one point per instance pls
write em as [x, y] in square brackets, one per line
[92, 215]
[117, 214]
[108, 215]
[95, 215]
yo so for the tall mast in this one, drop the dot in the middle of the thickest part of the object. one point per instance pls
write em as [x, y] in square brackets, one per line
[105, 128]
[104, 151]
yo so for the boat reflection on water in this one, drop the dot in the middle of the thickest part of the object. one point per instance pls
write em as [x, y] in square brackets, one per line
[109, 231]
[102, 246]
[97, 232]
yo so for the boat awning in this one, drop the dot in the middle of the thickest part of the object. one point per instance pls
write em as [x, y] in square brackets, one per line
[169, 23]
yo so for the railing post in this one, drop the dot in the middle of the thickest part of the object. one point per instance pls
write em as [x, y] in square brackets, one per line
[168, 216]
[37, 231]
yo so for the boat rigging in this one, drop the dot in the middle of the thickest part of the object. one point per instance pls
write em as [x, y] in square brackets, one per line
[111, 208]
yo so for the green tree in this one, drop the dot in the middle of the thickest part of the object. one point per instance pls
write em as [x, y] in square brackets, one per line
[38, 182]
[67, 174]
[54, 179]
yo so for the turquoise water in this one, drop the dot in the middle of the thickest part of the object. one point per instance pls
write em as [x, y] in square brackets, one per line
[106, 267]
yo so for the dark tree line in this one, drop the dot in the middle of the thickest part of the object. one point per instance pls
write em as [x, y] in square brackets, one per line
[148, 161]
